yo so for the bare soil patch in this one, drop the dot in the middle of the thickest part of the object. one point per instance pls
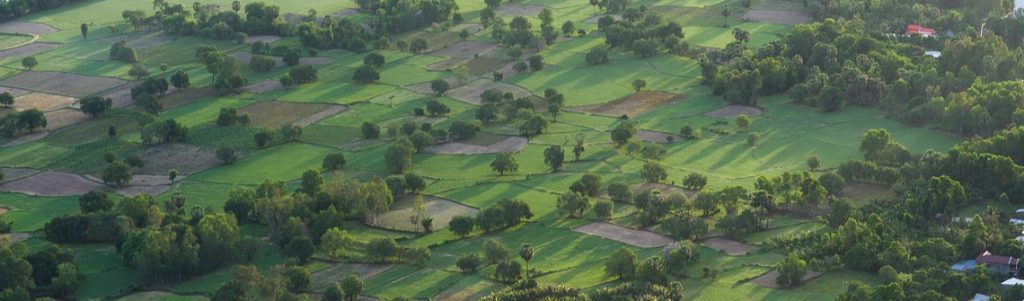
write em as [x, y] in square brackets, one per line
[64, 117]
[27, 50]
[28, 28]
[519, 10]
[42, 101]
[657, 137]
[445, 65]
[265, 39]
[14, 92]
[61, 83]
[441, 210]
[484, 65]
[122, 96]
[273, 114]
[424, 88]
[326, 277]
[731, 111]
[510, 144]
[263, 86]
[244, 57]
[11, 174]
[466, 49]
[3, 210]
[50, 183]
[665, 189]
[778, 16]
[16, 237]
[331, 110]
[631, 105]
[186, 158]
[26, 138]
[150, 189]
[768, 279]
[470, 93]
[729, 246]
[639, 238]
[184, 97]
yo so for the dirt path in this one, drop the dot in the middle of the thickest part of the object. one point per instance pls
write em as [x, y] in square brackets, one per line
[639, 238]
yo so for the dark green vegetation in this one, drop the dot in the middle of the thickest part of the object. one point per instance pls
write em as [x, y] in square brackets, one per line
[495, 150]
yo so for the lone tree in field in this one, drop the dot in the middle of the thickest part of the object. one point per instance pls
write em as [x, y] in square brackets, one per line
[743, 121]
[399, 155]
[418, 45]
[554, 157]
[653, 172]
[504, 162]
[366, 75]
[370, 130]
[575, 204]
[117, 174]
[180, 80]
[334, 161]
[85, 30]
[226, 155]
[461, 225]
[813, 162]
[374, 60]
[6, 100]
[514, 52]
[753, 139]
[623, 132]
[622, 264]
[439, 86]
[95, 106]
[791, 271]
[639, 85]
[536, 62]
[29, 62]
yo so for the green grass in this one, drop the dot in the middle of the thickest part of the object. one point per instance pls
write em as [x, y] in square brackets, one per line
[103, 272]
[30, 213]
[283, 163]
[12, 40]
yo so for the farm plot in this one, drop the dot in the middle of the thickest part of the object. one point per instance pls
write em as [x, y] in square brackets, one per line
[263, 86]
[26, 138]
[729, 246]
[61, 83]
[26, 50]
[632, 105]
[14, 92]
[510, 144]
[657, 137]
[146, 184]
[11, 174]
[638, 238]
[245, 57]
[777, 16]
[731, 111]
[470, 93]
[768, 279]
[50, 183]
[279, 163]
[185, 158]
[441, 210]
[336, 273]
[262, 38]
[466, 49]
[64, 117]
[519, 10]
[662, 188]
[42, 101]
[273, 114]
[28, 28]
[141, 41]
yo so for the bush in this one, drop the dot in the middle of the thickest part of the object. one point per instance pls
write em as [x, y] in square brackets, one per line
[303, 74]
[262, 63]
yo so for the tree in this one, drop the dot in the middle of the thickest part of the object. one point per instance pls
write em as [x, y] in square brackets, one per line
[620, 192]
[292, 57]
[374, 60]
[31, 119]
[6, 100]
[95, 201]
[370, 130]
[621, 264]
[653, 172]
[85, 30]
[695, 181]
[180, 80]
[508, 271]
[536, 62]
[462, 130]
[743, 121]
[172, 174]
[399, 155]
[468, 263]
[334, 161]
[603, 209]
[494, 252]
[303, 74]
[366, 75]
[29, 62]
[504, 162]
[436, 108]
[753, 139]
[418, 45]
[263, 138]
[138, 71]
[597, 55]
[117, 174]
[262, 63]
[639, 84]
[684, 254]
[623, 132]
[554, 157]
[726, 12]
[589, 184]
[568, 28]
[520, 67]
[439, 86]
[791, 271]
[333, 292]
[461, 225]
[95, 106]
[514, 52]
[353, 286]
[301, 248]
[575, 204]
[813, 162]
[645, 48]
[226, 155]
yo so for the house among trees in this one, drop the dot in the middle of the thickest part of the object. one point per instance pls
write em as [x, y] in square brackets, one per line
[999, 264]
[916, 29]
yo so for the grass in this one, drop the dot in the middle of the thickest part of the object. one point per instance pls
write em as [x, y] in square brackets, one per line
[12, 40]
[280, 163]
[30, 213]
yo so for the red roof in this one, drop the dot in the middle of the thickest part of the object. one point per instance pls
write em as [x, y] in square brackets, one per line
[913, 29]
[989, 259]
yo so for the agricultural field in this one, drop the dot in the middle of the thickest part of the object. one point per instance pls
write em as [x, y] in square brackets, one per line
[255, 158]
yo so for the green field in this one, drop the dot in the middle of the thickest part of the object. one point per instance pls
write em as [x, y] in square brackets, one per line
[789, 134]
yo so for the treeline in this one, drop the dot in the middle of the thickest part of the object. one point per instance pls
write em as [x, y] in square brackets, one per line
[48, 272]
[892, 16]
[10, 10]
[209, 21]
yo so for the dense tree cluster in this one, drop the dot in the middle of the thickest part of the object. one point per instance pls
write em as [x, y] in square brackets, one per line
[209, 21]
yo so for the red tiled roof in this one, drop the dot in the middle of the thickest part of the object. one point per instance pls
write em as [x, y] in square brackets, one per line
[989, 259]
[913, 29]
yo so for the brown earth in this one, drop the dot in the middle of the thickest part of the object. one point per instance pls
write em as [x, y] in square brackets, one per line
[519, 10]
[657, 137]
[470, 93]
[42, 101]
[510, 144]
[64, 117]
[49, 183]
[631, 105]
[778, 16]
[466, 49]
[28, 28]
[14, 92]
[11, 174]
[263, 86]
[274, 114]
[186, 158]
[328, 276]
[27, 50]
[446, 65]
[731, 111]
[68, 84]
[729, 246]
[768, 279]
[639, 238]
